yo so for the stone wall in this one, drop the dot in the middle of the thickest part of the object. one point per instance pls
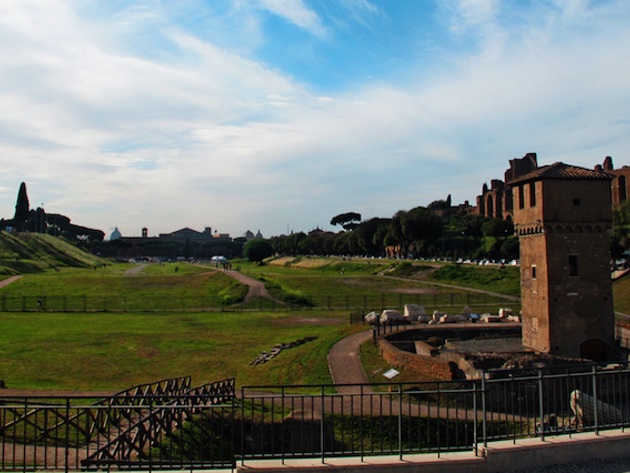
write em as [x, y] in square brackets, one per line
[422, 365]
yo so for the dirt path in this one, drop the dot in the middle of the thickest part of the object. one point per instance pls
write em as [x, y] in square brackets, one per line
[136, 270]
[256, 288]
[8, 281]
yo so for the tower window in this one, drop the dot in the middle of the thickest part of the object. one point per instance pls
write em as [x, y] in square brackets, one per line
[533, 271]
[521, 197]
[532, 194]
[573, 265]
[577, 202]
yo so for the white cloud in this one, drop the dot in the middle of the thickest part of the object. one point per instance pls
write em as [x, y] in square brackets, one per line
[296, 12]
[202, 135]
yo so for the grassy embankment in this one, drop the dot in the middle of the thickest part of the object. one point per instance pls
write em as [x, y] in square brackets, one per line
[35, 252]
[356, 284]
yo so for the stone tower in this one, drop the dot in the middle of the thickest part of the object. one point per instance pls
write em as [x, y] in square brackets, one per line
[563, 216]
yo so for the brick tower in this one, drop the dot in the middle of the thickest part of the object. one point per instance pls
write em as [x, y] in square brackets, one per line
[562, 216]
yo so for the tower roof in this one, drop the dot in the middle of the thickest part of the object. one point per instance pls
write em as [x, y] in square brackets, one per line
[562, 171]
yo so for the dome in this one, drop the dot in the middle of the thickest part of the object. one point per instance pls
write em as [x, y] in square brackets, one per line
[115, 234]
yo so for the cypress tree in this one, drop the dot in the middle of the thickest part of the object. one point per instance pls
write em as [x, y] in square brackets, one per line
[21, 209]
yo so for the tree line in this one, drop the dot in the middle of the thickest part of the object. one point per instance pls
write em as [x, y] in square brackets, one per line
[437, 230]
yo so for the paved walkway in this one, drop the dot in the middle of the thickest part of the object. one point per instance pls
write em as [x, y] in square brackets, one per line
[345, 364]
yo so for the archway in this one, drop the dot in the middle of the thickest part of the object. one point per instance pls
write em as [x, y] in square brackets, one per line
[593, 349]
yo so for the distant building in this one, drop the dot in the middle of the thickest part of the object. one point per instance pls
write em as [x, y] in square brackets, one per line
[116, 235]
[620, 181]
[188, 233]
[249, 235]
[496, 201]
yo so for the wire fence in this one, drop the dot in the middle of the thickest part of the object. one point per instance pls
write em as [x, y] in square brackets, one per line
[217, 429]
[117, 303]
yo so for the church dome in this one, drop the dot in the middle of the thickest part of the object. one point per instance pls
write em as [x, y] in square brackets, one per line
[115, 234]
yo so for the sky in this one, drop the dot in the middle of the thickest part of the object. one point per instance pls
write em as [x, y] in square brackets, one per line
[277, 115]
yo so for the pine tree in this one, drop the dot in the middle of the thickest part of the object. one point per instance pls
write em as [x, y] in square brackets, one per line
[21, 209]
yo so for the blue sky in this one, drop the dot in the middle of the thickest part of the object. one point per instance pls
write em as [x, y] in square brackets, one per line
[279, 114]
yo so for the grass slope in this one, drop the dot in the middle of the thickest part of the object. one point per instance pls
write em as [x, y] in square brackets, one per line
[34, 252]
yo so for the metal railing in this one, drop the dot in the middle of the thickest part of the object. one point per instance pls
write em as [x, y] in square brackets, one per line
[148, 426]
[210, 427]
[183, 302]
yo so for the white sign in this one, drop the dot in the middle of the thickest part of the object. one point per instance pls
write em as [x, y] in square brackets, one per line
[391, 374]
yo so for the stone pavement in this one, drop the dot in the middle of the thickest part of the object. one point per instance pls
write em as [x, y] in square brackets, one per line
[344, 362]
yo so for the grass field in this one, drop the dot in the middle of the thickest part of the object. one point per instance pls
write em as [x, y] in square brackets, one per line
[107, 350]
[116, 287]
[114, 350]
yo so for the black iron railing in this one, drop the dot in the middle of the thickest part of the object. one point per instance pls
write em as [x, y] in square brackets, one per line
[166, 425]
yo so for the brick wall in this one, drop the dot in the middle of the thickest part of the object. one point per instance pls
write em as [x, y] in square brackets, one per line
[421, 365]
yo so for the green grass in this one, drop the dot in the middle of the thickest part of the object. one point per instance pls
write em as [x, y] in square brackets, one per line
[359, 285]
[504, 281]
[34, 252]
[621, 295]
[114, 351]
[157, 287]
[111, 350]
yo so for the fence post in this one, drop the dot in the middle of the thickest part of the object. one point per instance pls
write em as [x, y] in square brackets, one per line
[67, 439]
[322, 433]
[595, 400]
[541, 409]
[400, 426]
[484, 423]
[243, 423]
[476, 416]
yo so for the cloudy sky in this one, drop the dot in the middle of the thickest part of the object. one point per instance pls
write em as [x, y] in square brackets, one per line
[280, 114]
